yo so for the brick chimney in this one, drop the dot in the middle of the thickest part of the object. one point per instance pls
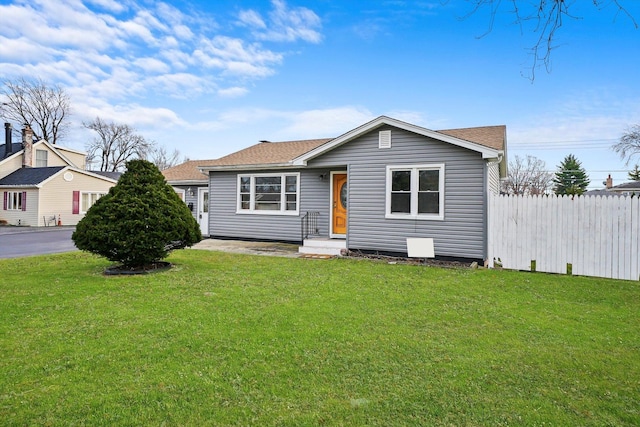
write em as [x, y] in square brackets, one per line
[27, 145]
[609, 182]
[8, 143]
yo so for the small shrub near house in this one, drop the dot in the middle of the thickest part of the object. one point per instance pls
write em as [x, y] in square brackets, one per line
[139, 221]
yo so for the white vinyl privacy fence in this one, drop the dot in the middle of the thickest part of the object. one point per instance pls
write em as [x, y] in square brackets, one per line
[586, 235]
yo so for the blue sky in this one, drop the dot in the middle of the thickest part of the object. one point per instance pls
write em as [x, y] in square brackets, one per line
[209, 78]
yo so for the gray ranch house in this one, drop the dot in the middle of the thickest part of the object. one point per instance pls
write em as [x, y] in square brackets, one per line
[368, 190]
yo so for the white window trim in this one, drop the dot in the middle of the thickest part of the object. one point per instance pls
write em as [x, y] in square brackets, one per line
[45, 160]
[17, 206]
[414, 192]
[182, 193]
[283, 206]
[84, 193]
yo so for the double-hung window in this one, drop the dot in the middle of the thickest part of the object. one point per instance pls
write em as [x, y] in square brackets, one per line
[42, 157]
[275, 194]
[15, 201]
[88, 199]
[415, 191]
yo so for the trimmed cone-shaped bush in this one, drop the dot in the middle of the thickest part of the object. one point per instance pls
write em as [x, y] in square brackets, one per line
[139, 221]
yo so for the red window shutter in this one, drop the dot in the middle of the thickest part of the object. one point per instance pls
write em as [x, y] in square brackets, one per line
[75, 207]
[24, 200]
[6, 195]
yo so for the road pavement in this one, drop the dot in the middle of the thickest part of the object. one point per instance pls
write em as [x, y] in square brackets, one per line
[28, 241]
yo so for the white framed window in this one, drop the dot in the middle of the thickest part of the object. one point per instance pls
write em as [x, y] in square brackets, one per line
[87, 199]
[415, 192]
[269, 194]
[15, 200]
[42, 157]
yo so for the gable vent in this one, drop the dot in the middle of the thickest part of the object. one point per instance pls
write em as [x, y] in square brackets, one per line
[384, 139]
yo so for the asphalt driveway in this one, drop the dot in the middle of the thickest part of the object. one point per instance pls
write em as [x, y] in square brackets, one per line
[18, 242]
[28, 241]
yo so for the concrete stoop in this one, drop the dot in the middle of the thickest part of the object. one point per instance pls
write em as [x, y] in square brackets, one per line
[330, 247]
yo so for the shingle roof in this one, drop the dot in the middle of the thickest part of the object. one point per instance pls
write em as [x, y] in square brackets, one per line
[633, 185]
[489, 136]
[266, 153]
[277, 153]
[30, 176]
[113, 175]
[187, 171]
[15, 147]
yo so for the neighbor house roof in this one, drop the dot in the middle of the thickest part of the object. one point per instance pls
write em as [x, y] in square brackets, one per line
[187, 171]
[112, 175]
[627, 186]
[16, 146]
[30, 176]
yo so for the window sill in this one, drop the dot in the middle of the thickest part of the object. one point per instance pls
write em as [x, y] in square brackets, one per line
[269, 213]
[416, 217]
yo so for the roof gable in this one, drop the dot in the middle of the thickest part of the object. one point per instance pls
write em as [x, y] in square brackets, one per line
[488, 138]
[18, 149]
[53, 149]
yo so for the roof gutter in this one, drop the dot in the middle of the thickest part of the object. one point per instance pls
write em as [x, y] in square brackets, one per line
[206, 169]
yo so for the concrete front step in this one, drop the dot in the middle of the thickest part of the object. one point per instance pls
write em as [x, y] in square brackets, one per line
[323, 246]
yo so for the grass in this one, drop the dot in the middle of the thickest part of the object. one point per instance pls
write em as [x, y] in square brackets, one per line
[226, 339]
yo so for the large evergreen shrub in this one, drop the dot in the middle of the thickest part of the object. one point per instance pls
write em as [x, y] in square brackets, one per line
[139, 221]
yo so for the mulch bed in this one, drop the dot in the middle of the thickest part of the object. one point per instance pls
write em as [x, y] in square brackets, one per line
[411, 261]
[120, 270]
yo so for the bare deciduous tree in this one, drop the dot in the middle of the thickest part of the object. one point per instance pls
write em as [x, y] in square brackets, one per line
[115, 145]
[44, 107]
[162, 159]
[527, 176]
[629, 145]
[547, 17]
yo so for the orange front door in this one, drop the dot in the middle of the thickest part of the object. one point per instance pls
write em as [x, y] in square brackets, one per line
[339, 211]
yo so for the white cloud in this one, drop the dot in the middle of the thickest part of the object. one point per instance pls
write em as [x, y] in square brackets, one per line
[233, 92]
[134, 62]
[252, 19]
[284, 24]
[152, 65]
[584, 116]
[310, 124]
[326, 123]
[109, 5]
[21, 50]
[236, 57]
[135, 115]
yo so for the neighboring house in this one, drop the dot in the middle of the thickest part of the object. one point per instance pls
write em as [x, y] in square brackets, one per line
[193, 187]
[369, 189]
[631, 188]
[44, 184]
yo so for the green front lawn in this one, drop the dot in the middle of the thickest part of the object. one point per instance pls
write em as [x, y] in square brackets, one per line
[226, 339]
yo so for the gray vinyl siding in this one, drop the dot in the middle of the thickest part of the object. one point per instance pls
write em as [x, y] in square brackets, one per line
[225, 222]
[494, 178]
[460, 234]
[190, 199]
